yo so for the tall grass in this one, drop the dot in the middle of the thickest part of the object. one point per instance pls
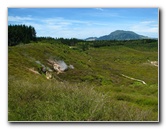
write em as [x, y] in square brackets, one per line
[55, 101]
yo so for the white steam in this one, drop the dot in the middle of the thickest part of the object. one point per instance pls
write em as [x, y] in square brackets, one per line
[62, 64]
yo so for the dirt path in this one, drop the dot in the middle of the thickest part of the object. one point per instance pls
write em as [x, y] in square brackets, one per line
[32, 70]
[154, 63]
[143, 82]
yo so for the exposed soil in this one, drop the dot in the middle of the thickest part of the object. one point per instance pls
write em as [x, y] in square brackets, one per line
[143, 82]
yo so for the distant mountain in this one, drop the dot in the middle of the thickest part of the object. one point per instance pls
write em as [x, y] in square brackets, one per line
[120, 35]
[91, 39]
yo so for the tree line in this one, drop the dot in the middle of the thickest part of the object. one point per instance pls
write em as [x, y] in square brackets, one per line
[18, 34]
[22, 34]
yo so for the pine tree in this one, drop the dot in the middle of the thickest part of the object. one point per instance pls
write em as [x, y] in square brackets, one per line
[20, 34]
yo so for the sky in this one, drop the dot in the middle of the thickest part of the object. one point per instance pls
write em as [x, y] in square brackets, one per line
[82, 23]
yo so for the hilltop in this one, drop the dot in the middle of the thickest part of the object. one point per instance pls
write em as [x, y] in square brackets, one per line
[119, 35]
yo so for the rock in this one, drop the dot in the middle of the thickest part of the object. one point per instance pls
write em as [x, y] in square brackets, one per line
[71, 66]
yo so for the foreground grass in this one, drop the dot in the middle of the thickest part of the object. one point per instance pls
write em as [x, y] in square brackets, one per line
[54, 101]
[93, 91]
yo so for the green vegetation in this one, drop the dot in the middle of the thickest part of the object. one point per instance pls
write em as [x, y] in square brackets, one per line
[18, 34]
[94, 90]
[122, 35]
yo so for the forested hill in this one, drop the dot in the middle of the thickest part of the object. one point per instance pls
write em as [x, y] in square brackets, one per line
[121, 35]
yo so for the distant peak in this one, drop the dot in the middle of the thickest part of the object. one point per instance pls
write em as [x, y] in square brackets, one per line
[122, 31]
[122, 35]
[119, 35]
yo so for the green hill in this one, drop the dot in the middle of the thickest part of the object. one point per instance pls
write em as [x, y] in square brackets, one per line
[119, 35]
[95, 90]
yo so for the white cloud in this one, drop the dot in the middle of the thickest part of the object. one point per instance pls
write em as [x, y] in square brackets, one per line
[17, 18]
[100, 9]
[67, 28]
[147, 28]
[60, 27]
[147, 22]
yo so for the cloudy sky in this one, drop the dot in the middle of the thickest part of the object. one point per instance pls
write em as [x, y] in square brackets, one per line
[86, 22]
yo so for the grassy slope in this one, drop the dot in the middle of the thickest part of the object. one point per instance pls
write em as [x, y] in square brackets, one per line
[94, 90]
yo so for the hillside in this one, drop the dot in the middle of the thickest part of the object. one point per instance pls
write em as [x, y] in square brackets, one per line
[94, 90]
[120, 35]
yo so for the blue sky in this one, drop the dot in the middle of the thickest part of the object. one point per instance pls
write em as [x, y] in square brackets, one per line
[86, 22]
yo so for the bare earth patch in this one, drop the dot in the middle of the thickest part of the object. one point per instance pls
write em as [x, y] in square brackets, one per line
[154, 63]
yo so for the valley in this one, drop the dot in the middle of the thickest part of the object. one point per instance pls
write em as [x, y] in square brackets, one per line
[117, 81]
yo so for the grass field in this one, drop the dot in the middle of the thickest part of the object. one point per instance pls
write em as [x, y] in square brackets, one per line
[95, 90]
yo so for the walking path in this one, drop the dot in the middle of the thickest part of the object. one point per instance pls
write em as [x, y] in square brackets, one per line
[134, 79]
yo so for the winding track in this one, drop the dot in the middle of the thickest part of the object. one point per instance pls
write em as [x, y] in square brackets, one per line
[143, 82]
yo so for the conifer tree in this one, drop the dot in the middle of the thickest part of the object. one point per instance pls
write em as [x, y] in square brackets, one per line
[20, 34]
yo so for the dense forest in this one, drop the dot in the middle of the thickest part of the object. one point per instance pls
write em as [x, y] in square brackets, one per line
[18, 34]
